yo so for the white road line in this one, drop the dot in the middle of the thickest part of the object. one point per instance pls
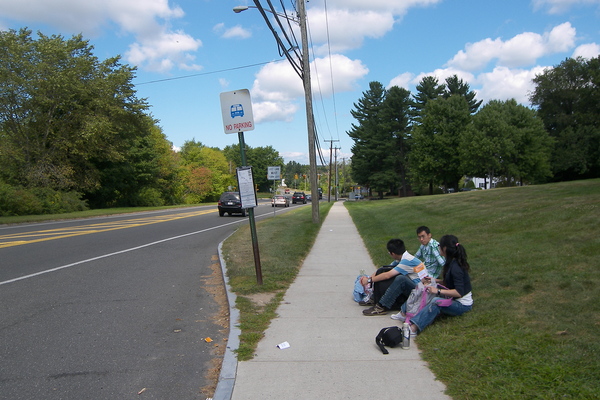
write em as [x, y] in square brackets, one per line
[118, 252]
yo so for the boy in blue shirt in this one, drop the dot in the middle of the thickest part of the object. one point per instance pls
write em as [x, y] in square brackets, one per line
[403, 274]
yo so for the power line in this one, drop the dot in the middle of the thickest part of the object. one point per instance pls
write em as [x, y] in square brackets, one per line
[207, 73]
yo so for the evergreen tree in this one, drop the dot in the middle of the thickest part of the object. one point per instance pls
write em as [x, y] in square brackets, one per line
[456, 86]
[428, 89]
[395, 115]
[373, 149]
[568, 101]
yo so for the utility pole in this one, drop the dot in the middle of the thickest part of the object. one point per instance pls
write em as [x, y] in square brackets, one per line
[330, 155]
[336, 174]
[304, 72]
[310, 119]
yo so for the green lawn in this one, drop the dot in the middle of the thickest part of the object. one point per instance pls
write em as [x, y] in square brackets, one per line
[533, 332]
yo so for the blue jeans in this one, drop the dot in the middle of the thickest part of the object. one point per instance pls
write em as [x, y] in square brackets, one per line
[402, 285]
[430, 312]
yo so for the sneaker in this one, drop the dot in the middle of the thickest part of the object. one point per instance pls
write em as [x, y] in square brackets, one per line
[398, 317]
[369, 302]
[375, 310]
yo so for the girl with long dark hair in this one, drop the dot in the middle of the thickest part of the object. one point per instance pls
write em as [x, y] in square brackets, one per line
[455, 277]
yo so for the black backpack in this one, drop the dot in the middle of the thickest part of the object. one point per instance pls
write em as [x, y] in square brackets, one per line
[390, 337]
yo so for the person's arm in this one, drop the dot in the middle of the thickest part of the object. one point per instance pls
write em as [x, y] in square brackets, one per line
[457, 279]
[377, 278]
[443, 292]
[439, 258]
[419, 253]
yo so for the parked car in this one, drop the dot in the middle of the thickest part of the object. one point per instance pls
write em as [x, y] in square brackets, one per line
[231, 203]
[280, 200]
[298, 197]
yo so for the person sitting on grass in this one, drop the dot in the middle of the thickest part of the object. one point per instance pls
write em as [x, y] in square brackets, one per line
[403, 276]
[456, 278]
[429, 252]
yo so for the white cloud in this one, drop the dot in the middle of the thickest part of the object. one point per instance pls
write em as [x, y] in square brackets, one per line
[157, 47]
[403, 80]
[346, 73]
[237, 32]
[504, 83]
[522, 50]
[589, 50]
[345, 29]
[394, 6]
[231, 33]
[163, 51]
[560, 6]
[277, 89]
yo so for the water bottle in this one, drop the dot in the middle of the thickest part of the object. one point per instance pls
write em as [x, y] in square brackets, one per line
[405, 336]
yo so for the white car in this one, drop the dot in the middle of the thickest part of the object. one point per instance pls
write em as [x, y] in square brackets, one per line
[280, 200]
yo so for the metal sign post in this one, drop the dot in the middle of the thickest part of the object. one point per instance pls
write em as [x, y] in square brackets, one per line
[274, 174]
[236, 109]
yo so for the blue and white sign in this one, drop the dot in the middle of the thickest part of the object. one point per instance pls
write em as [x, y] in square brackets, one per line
[236, 108]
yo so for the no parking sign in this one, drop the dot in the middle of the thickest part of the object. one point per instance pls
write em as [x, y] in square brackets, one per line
[236, 108]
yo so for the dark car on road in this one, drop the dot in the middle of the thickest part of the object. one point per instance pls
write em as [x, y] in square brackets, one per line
[231, 203]
[298, 197]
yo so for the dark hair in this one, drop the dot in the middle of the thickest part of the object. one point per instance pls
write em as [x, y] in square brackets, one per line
[423, 228]
[396, 246]
[454, 251]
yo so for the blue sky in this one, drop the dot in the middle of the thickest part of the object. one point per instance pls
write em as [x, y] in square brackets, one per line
[189, 51]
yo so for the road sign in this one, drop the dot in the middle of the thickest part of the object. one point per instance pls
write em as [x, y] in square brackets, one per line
[236, 109]
[273, 173]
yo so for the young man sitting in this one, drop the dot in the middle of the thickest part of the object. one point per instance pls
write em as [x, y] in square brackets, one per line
[402, 273]
[429, 252]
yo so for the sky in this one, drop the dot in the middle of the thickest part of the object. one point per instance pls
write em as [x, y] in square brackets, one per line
[188, 52]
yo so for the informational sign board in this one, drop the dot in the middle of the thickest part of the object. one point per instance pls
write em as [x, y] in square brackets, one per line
[246, 185]
[273, 173]
[236, 109]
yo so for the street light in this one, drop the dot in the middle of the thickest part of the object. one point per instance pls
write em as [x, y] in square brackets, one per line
[305, 75]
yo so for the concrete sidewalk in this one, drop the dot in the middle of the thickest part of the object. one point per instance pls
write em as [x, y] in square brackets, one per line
[332, 353]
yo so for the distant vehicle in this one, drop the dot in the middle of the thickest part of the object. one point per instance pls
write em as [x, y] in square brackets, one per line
[230, 203]
[280, 200]
[298, 197]
[359, 196]
[320, 193]
[308, 197]
[287, 191]
[237, 111]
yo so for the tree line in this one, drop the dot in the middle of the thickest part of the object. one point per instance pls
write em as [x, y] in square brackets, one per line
[441, 134]
[74, 135]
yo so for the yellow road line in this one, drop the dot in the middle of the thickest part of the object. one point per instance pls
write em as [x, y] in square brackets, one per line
[18, 239]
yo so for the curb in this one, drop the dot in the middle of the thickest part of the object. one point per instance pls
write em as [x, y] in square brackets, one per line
[224, 389]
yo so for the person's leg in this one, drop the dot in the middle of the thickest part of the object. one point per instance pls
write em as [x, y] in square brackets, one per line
[402, 285]
[430, 312]
[455, 309]
[425, 316]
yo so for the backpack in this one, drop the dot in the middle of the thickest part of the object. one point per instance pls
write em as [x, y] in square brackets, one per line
[391, 337]
[420, 297]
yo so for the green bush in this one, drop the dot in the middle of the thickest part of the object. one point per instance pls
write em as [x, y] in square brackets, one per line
[20, 201]
[149, 197]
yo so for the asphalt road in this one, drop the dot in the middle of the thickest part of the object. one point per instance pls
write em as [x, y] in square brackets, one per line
[114, 307]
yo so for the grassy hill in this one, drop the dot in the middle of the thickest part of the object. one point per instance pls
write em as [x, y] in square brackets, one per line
[534, 253]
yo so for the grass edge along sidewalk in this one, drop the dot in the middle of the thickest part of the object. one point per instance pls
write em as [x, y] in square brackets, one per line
[534, 329]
